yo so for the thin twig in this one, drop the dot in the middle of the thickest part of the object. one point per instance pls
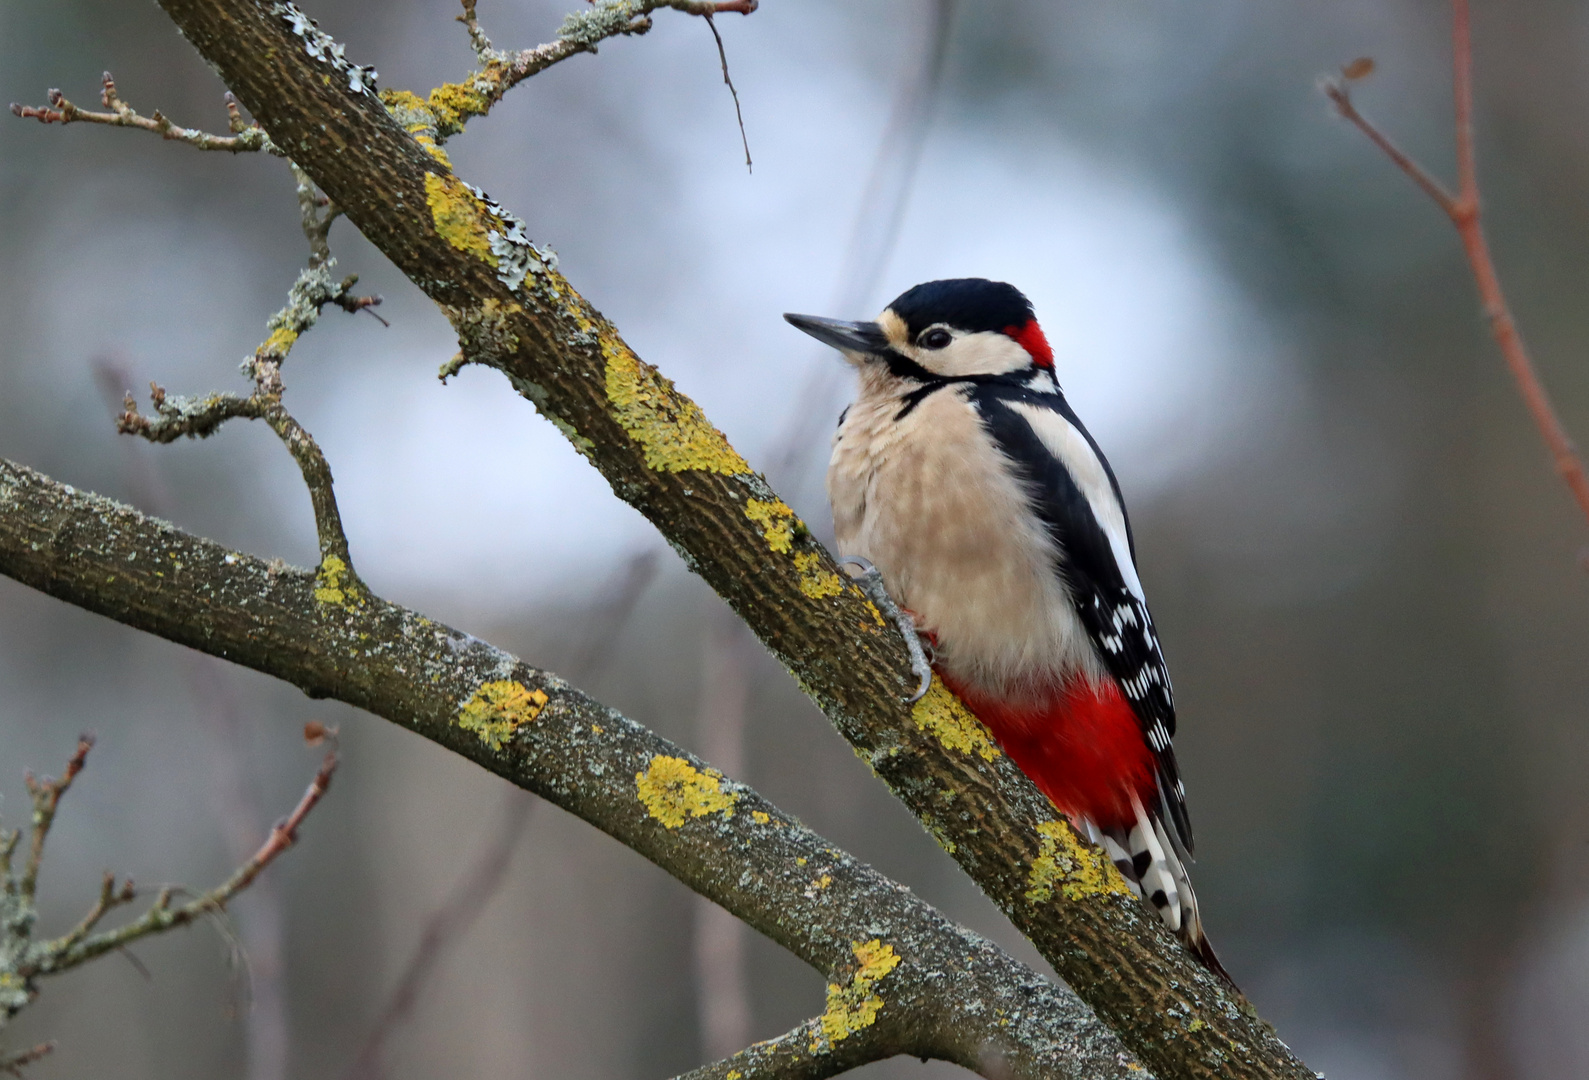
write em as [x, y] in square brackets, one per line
[244, 137]
[1464, 210]
[722, 57]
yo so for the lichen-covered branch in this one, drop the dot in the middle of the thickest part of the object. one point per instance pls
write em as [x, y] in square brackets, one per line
[515, 312]
[802, 1054]
[445, 110]
[889, 957]
[200, 417]
[24, 961]
[244, 137]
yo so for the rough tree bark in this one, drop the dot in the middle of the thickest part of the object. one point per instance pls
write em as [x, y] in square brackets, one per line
[380, 160]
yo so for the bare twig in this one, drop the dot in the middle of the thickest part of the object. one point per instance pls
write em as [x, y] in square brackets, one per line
[46, 795]
[1464, 210]
[244, 137]
[722, 57]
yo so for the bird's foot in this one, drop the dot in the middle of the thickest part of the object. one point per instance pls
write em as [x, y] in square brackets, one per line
[871, 582]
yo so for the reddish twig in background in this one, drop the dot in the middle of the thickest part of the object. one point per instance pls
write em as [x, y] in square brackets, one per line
[46, 795]
[1463, 208]
[449, 925]
[13, 1066]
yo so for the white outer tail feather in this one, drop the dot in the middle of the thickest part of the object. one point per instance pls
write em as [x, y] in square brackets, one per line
[1152, 865]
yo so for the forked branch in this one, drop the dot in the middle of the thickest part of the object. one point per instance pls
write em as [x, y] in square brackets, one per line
[24, 961]
[1464, 209]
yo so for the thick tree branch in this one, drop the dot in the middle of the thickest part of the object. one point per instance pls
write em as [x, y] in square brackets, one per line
[890, 958]
[1465, 211]
[514, 311]
[801, 1054]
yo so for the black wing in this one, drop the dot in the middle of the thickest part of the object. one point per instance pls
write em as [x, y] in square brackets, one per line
[1115, 618]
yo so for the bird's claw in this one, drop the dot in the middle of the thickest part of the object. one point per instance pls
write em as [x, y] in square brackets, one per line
[870, 580]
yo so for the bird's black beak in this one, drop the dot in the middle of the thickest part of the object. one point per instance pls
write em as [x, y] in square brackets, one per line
[856, 337]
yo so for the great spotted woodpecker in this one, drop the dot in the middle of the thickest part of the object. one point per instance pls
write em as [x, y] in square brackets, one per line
[961, 472]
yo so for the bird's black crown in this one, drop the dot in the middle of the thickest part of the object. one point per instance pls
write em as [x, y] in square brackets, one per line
[969, 304]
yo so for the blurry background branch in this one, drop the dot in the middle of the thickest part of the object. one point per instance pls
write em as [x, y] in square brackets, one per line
[1464, 208]
[448, 925]
[729, 652]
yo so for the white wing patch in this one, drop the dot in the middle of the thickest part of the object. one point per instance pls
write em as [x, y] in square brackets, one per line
[1071, 447]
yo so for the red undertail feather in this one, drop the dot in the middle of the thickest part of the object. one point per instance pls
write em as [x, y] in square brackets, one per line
[1083, 748]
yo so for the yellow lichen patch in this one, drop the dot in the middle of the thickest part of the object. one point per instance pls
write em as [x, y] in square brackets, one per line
[854, 1006]
[824, 881]
[670, 428]
[455, 103]
[673, 790]
[406, 100]
[816, 581]
[878, 615]
[279, 342]
[429, 146]
[759, 818]
[776, 521]
[1077, 869]
[734, 1074]
[331, 583]
[942, 715]
[459, 217]
[500, 708]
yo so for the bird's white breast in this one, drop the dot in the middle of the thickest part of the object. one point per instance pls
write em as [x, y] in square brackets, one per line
[935, 505]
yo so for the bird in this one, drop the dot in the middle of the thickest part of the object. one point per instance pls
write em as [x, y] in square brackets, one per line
[972, 496]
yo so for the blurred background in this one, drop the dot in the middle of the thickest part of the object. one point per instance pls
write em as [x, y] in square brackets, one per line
[1365, 574]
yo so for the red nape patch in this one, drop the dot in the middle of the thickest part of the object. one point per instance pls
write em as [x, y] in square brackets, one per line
[1030, 337]
[1083, 748]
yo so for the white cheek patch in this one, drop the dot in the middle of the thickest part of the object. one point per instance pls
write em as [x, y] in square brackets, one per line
[1071, 447]
[985, 353]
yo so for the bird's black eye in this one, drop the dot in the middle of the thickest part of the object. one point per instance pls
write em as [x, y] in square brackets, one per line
[936, 338]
